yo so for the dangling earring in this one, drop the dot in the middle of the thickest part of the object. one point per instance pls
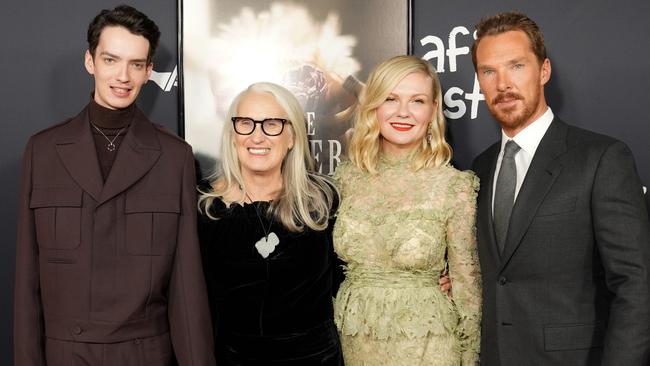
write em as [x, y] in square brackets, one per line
[429, 136]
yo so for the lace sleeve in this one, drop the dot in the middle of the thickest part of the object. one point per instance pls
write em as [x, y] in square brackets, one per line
[463, 260]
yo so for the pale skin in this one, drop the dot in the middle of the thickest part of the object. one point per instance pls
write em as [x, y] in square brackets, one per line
[512, 79]
[261, 156]
[405, 115]
[404, 119]
[119, 66]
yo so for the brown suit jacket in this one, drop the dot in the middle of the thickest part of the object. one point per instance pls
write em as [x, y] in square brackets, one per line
[108, 262]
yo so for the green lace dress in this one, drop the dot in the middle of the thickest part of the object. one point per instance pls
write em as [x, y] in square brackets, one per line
[397, 231]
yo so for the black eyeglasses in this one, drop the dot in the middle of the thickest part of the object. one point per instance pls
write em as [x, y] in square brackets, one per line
[270, 126]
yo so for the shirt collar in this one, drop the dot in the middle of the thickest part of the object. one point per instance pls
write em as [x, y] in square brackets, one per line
[529, 138]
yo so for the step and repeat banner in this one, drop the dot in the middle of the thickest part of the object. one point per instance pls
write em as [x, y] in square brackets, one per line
[322, 51]
[599, 61]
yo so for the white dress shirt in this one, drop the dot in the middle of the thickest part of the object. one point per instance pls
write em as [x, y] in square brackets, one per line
[528, 139]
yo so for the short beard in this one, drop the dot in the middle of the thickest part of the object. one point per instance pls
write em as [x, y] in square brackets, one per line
[511, 119]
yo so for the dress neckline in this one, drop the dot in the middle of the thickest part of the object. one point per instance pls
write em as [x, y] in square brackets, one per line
[390, 161]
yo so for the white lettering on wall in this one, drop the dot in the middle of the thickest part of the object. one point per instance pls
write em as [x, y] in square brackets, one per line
[311, 130]
[335, 154]
[453, 51]
[455, 98]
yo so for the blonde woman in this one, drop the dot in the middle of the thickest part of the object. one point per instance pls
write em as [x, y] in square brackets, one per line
[266, 238]
[405, 216]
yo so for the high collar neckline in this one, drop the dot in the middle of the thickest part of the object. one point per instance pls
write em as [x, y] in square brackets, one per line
[104, 117]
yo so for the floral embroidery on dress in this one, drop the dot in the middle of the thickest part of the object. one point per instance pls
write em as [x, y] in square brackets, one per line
[397, 231]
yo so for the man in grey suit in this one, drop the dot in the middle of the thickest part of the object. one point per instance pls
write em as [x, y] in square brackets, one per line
[562, 227]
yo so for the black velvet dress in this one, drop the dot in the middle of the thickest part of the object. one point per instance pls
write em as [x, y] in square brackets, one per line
[275, 310]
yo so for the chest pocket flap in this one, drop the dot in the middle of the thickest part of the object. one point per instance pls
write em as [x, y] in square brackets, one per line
[151, 224]
[57, 216]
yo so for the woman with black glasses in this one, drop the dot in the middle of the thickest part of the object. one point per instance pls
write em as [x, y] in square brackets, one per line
[265, 232]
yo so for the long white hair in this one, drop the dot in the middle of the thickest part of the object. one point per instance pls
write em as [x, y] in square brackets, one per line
[306, 198]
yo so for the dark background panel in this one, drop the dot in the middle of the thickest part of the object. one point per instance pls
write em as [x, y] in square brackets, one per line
[43, 82]
[597, 48]
[599, 62]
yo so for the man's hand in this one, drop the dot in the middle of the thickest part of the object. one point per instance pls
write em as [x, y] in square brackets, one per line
[445, 283]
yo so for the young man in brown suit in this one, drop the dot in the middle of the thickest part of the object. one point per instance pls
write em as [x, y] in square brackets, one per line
[108, 268]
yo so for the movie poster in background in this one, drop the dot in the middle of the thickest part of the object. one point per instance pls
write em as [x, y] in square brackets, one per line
[599, 77]
[320, 50]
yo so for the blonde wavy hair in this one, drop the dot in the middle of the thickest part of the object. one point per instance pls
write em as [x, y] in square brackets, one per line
[365, 145]
[306, 198]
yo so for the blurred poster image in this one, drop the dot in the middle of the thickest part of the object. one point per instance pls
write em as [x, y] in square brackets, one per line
[321, 51]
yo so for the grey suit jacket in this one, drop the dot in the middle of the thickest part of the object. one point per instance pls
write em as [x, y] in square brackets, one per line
[573, 284]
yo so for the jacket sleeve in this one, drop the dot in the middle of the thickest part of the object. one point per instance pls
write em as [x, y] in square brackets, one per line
[189, 315]
[622, 233]
[29, 349]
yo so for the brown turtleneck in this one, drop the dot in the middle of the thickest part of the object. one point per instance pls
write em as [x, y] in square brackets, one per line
[110, 122]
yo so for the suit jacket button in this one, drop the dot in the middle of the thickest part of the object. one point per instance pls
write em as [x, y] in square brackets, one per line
[502, 281]
[136, 342]
[77, 330]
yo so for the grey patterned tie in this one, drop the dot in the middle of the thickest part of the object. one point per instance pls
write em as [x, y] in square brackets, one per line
[504, 195]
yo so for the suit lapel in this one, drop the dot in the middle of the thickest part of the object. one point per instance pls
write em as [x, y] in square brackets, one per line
[136, 156]
[542, 173]
[485, 209]
[76, 149]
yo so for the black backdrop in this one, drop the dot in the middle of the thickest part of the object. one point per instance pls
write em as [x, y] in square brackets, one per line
[598, 51]
[599, 58]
